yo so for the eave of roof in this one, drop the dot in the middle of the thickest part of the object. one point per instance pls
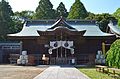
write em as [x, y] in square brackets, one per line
[63, 23]
[114, 29]
[30, 28]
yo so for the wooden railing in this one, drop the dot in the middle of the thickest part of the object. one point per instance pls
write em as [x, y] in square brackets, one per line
[110, 71]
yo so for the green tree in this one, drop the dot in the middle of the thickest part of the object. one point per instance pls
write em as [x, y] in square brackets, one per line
[77, 11]
[103, 20]
[117, 14]
[19, 18]
[27, 14]
[119, 22]
[113, 55]
[17, 24]
[5, 18]
[91, 16]
[61, 10]
[44, 10]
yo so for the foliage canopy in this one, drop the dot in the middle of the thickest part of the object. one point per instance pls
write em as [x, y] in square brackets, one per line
[44, 10]
[119, 23]
[113, 54]
[102, 19]
[116, 14]
[5, 18]
[77, 11]
[61, 10]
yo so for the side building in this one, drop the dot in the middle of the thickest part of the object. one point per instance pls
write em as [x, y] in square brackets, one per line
[9, 52]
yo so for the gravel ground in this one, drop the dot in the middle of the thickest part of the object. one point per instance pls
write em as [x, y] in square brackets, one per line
[19, 72]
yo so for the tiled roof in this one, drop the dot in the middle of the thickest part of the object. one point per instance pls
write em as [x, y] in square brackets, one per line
[114, 28]
[30, 28]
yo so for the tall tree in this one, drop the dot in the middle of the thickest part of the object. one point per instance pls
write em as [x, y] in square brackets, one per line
[44, 10]
[5, 18]
[117, 14]
[77, 11]
[61, 10]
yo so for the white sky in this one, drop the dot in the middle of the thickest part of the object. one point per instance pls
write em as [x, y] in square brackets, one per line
[19, 5]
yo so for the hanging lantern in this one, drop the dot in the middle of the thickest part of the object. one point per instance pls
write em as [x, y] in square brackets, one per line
[72, 51]
[56, 44]
[66, 44]
[50, 51]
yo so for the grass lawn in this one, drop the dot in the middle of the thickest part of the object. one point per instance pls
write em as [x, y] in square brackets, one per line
[93, 74]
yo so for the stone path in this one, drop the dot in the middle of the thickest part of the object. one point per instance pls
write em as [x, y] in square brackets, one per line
[58, 72]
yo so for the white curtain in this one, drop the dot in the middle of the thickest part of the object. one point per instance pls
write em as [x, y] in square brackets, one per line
[67, 44]
[57, 44]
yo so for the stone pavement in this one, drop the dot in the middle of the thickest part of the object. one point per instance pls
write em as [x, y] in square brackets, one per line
[61, 72]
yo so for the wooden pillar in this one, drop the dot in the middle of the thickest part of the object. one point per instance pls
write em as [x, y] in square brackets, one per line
[103, 48]
[61, 52]
[65, 53]
[50, 59]
[57, 52]
[20, 47]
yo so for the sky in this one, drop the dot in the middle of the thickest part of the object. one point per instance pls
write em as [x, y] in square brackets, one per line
[94, 6]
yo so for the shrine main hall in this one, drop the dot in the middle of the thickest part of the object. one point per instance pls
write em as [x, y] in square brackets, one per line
[63, 41]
